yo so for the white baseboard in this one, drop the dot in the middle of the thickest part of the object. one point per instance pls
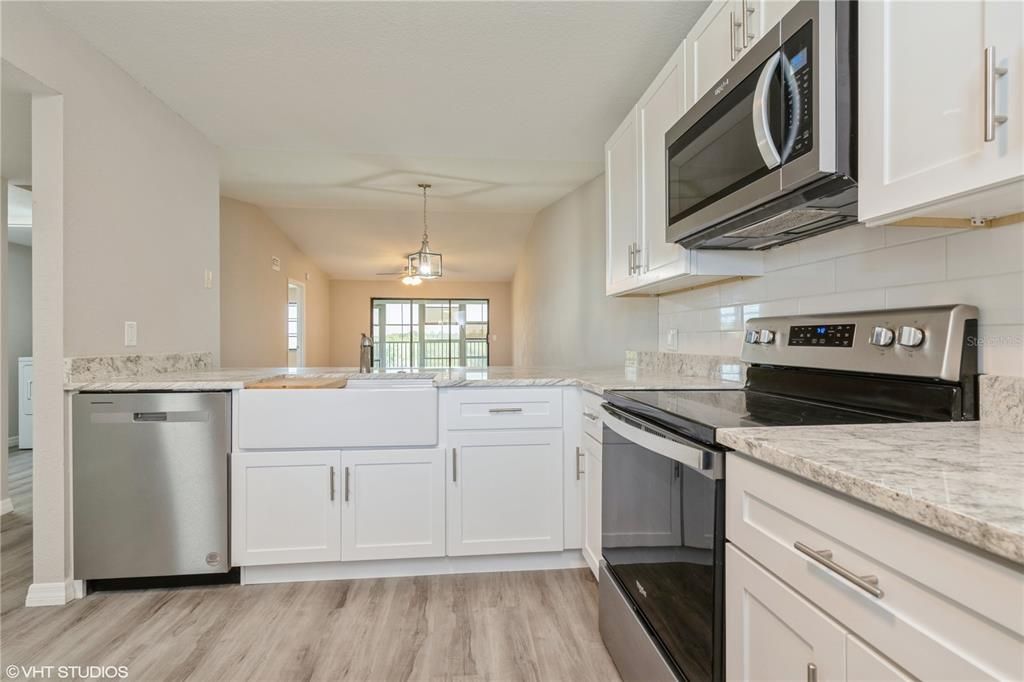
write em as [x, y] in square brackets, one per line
[12, 442]
[6, 506]
[401, 568]
[50, 594]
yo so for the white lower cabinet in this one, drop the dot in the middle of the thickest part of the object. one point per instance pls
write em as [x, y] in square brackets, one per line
[285, 507]
[392, 504]
[772, 632]
[864, 664]
[591, 450]
[505, 491]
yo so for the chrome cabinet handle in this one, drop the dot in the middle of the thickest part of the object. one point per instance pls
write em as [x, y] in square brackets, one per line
[632, 259]
[455, 465]
[868, 583]
[732, 36]
[505, 410]
[332, 484]
[579, 456]
[589, 415]
[348, 487]
[812, 673]
[992, 73]
[748, 11]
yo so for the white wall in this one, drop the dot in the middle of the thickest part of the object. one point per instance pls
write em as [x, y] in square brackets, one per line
[140, 199]
[860, 268]
[561, 316]
[18, 291]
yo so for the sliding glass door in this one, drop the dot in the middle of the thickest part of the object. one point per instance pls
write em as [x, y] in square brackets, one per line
[429, 333]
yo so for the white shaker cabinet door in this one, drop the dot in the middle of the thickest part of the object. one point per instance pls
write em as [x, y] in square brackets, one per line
[772, 632]
[392, 504]
[714, 44]
[592, 518]
[505, 491]
[926, 99]
[864, 664]
[622, 188]
[285, 507]
[659, 109]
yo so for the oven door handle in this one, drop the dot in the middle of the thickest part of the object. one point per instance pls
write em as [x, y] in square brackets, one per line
[760, 114]
[664, 443]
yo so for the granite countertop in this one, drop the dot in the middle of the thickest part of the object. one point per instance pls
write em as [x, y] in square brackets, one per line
[594, 380]
[962, 479]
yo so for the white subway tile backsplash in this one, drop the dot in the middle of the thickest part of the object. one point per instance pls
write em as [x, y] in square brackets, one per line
[977, 253]
[853, 239]
[998, 298]
[871, 299]
[861, 268]
[905, 264]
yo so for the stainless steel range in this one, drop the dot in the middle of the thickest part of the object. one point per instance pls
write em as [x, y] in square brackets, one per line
[664, 472]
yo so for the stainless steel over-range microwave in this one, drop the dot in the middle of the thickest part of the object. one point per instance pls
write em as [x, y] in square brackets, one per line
[768, 155]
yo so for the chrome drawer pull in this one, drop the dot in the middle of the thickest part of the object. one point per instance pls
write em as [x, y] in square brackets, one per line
[505, 410]
[868, 583]
[590, 415]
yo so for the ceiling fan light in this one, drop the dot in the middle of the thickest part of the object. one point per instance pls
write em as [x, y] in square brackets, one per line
[412, 280]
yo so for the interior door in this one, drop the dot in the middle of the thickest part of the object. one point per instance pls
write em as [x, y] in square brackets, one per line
[392, 504]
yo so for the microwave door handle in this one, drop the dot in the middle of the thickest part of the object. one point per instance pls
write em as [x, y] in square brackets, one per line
[762, 128]
[789, 76]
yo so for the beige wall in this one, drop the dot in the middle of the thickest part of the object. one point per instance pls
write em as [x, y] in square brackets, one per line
[350, 312]
[561, 315]
[18, 291]
[254, 297]
[139, 199]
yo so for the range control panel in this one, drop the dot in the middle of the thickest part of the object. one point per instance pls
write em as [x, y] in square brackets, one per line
[827, 335]
[929, 342]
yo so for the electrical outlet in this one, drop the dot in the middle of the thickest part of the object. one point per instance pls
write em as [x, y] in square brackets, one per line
[672, 339]
[208, 279]
[131, 334]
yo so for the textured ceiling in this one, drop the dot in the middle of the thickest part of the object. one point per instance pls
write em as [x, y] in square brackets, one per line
[504, 106]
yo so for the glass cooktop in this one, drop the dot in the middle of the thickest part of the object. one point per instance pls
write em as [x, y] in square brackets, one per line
[699, 413]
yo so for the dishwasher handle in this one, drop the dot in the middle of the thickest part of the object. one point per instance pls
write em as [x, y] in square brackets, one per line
[149, 416]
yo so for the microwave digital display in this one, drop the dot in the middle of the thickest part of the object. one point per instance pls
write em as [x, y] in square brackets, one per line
[799, 60]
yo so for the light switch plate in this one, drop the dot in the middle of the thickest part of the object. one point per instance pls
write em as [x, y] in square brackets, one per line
[131, 334]
[672, 339]
[275, 263]
[208, 279]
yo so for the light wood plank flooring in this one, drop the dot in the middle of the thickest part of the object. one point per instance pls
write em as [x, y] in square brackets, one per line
[502, 626]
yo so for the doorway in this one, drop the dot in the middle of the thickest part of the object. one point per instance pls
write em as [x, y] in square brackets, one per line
[296, 324]
[17, 283]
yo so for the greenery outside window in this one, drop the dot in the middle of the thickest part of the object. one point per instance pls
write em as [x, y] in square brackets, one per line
[429, 332]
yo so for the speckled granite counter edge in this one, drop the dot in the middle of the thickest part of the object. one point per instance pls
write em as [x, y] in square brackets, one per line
[998, 541]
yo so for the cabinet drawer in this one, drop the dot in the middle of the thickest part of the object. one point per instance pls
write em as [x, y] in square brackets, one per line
[592, 423]
[944, 612]
[337, 418]
[504, 408]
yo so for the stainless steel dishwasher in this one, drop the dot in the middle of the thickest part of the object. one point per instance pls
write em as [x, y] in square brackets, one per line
[150, 484]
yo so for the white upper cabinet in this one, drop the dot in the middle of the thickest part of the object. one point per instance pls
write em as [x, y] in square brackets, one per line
[658, 110]
[712, 47]
[932, 94]
[622, 188]
[639, 259]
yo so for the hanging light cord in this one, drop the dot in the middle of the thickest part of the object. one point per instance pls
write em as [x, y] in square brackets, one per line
[424, 186]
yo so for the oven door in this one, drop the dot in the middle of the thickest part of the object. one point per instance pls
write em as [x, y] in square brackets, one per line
[662, 537]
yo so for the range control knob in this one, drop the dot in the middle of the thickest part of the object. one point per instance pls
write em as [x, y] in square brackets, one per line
[909, 336]
[765, 336]
[753, 335]
[881, 336]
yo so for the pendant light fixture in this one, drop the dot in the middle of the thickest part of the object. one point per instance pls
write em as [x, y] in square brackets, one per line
[423, 264]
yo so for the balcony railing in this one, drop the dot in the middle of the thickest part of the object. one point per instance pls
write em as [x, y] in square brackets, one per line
[401, 354]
